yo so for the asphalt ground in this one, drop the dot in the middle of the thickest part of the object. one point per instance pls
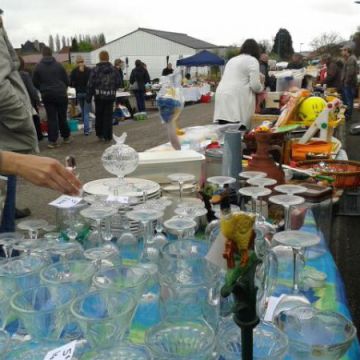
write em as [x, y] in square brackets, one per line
[345, 243]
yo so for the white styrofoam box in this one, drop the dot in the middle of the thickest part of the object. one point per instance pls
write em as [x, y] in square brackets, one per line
[157, 165]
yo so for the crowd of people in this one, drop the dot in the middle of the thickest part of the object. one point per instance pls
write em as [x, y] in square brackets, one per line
[246, 76]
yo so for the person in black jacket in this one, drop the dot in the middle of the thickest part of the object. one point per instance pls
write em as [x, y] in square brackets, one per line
[103, 82]
[168, 70]
[138, 78]
[33, 95]
[79, 78]
[123, 100]
[51, 80]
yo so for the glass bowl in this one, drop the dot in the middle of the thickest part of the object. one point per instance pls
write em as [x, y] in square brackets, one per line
[269, 342]
[181, 341]
[104, 316]
[76, 274]
[44, 310]
[125, 351]
[315, 334]
[133, 279]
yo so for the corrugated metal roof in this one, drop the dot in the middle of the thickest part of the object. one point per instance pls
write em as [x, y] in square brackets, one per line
[180, 38]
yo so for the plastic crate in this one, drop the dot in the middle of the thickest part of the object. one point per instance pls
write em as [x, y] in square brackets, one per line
[349, 204]
[140, 116]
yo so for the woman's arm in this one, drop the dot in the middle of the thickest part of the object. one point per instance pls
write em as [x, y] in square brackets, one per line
[41, 171]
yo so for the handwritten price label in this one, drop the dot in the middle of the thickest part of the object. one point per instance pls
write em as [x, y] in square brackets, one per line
[65, 201]
[65, 352]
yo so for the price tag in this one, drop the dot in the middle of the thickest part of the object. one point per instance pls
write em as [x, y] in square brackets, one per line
[119, 199]
[272, 304]
[65, 352]
[65, 201]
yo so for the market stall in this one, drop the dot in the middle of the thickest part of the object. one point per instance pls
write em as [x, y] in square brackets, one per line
[191, 253]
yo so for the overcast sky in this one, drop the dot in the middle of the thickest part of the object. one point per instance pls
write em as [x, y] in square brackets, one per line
[223, 22]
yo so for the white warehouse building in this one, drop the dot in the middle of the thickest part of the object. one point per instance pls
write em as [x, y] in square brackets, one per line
[153, 47]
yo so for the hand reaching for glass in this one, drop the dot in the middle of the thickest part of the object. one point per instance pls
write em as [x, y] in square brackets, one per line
[41, 171]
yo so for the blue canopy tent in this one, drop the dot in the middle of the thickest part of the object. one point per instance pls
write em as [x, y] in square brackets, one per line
[203, 58]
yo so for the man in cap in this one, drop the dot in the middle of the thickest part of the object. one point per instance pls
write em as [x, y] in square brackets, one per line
[349, 78]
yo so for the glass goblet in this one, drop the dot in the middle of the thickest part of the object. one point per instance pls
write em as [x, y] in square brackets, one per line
[221, 181]
[261, 181]
[287, 201]
[103, 256]
[255, 192]
[290, 189]
[252, 174]
[180, 226]
[8, 239]
[146, 217]
[297, 240]
[181, 178]
[98, 213]
[32, 226]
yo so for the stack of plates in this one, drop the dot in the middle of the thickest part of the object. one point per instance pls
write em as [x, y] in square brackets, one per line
[103, 187]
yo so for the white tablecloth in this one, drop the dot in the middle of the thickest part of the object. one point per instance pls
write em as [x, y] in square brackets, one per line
[194, 93]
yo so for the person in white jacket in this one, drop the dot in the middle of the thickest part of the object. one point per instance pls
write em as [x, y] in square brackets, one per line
[235, 95]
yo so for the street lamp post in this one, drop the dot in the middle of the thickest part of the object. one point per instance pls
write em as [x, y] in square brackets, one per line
[301, 44]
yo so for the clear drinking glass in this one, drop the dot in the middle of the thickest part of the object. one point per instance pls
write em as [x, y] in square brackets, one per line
[252, 174]
[255, 192]
[32, 226]
[189, 286]
[180, 226]
[287, 201]
[221, 181]
[103, 256]
[181, 341]
[146, 217]
[297, 240]
[290, 189]
[104, 316]
[132, 279]
[269, 342]
[20, 273]
[315, 334]
[76, 274]
[44, 310]
[98, 213]
[181, 178]
[8, 240]
[262, 182]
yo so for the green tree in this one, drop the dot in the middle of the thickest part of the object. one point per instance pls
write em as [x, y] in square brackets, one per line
[85, 46]
[283, 44]
[57, 42]
[327, 43]
[74, 45]
[231, 52]
[51, 42]
[101, 39]
[356, 39]
[265, 46]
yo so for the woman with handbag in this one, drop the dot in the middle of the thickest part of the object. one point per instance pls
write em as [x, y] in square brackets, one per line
[138, 78]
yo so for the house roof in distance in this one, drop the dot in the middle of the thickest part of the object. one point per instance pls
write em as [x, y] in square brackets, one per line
[180, 38]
